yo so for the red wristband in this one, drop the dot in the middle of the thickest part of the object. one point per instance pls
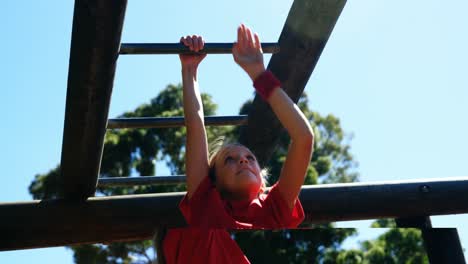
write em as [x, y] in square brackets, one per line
[265, 84]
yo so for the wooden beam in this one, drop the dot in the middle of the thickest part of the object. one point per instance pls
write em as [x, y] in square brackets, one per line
[97, 28]
[302, 40]
[123, 218]
[52, 223]
[393, 199]
[442, 244]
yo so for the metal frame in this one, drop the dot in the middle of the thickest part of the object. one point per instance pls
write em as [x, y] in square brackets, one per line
[178, 48]
[178, 121]
[140, 180]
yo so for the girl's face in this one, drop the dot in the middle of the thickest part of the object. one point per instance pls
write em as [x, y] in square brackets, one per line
[238, 174]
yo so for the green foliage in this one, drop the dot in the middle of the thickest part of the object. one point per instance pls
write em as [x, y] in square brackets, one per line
[397, 245]
[350, 256]
[322, 245]
[388, 223]
[115, 253]
[44, 186]
[290, 246]
[92, 254]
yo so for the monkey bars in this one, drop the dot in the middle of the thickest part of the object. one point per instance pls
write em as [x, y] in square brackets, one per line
[76, 218]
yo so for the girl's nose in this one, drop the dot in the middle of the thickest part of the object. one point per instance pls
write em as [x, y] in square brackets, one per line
[243, 160]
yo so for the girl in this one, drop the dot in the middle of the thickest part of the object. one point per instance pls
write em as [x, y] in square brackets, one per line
[225, 191]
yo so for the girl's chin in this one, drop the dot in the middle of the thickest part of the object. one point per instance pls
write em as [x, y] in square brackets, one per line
[249, 184]
[248, 179]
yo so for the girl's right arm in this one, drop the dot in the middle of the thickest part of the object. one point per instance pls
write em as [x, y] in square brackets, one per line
[196, 157]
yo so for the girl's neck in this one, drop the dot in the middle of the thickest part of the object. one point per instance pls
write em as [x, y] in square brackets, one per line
[237, 197]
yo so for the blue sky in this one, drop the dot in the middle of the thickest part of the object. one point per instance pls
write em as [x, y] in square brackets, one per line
[394, 72]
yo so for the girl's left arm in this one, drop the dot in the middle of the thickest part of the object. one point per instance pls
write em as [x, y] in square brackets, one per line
[300, 149]
[248, 54]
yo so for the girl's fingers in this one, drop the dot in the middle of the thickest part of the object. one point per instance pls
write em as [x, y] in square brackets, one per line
[245, 40]
[201, 43]
[195, 43]
[258, 44]
[249, 37]
[183, 40]
[240, 36]
[189, 42]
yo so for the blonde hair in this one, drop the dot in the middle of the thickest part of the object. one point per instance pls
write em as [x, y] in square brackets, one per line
[216, 147]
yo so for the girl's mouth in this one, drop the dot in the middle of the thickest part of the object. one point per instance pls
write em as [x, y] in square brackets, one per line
[244, 169]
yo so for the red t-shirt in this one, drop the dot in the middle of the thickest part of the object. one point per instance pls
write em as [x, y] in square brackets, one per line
[206, 209]
[198, 245]
[207, 241]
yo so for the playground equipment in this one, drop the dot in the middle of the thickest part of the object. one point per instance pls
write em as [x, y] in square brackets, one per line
[78, 217]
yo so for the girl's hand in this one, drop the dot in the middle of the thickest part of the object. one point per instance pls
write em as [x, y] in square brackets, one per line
[194, 43]
[247, 52]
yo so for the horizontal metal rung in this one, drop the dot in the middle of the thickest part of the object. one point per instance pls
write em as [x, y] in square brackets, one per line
[140, 180]
[165, 122]
[178, 48]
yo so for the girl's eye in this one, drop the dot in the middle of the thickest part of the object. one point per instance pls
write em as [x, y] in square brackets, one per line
[249, 157]
[228, 159]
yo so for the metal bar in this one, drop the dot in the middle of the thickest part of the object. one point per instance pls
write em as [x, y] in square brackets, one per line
[97, 28]
[141, 180]
[134, 217]
[306, 31]
[178, 48]
[165, 122]
[442, 244]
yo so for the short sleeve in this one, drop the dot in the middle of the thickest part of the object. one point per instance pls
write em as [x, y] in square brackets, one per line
[280, 215]
[207, 246]
[186, 203]
[205, 208]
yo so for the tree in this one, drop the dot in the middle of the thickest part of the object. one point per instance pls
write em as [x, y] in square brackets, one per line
[133, 152]
[397, 245]
[291, 246]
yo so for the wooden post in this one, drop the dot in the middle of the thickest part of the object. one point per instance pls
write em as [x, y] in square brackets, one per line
[97, 28]
[306, 31]
[442, 244]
